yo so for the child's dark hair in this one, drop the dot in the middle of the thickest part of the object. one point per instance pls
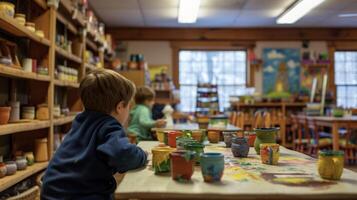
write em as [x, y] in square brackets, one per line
[144, 93]
[101, 90]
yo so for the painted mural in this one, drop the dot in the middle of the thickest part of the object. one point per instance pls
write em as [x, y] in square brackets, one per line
[281, 70]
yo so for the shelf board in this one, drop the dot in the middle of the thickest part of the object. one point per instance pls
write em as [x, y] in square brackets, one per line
[69, 8]
[90, 66]
[66, 84]
[92, 46]
[18, 73]
[68, 55]
[69, 25]
[21, 175]
[11, 26]
[23, 126]
[63, 120]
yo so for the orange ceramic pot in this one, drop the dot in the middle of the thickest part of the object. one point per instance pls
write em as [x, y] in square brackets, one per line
[198, 135]
[4, 114]
[213, 136]
[171, 138]
[182, 165]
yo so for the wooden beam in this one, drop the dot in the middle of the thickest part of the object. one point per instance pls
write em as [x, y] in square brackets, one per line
[234, 34]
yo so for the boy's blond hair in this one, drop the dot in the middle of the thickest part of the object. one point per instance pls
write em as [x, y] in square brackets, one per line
[144, 93]
[101, 90]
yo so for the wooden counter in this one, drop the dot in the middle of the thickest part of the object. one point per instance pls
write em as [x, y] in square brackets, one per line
[244, 178]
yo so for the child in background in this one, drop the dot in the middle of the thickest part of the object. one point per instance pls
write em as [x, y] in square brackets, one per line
[141, 120]
[96, 147]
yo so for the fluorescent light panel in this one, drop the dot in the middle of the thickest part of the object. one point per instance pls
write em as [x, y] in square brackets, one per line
[188, 11]
[348, 15]
[297, 11]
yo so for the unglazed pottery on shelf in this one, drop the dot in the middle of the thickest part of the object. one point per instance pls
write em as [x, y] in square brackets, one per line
[11, 168]
[269, 153]
[212, 166]
[21, 163]
[161, 159]
[30, 158]
[330, 164]
[3, 169]
[240, 147]
[4, 115]
[41, 153]
[264, 135]
[182, 165]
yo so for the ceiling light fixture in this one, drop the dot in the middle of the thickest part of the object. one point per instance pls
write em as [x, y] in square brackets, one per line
[348, 15]
[188, 11]
[297, 10]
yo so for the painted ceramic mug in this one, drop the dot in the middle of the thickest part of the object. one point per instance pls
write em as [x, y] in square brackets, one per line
[182, 165]
[212, 166]
[240, 147]
[171, 138]
[330, 164]
[269, 153]
[196, 147]
[161, 159]
[213, 136]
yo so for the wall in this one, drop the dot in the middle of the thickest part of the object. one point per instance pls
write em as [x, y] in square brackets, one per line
[155, 52]
[159, 52]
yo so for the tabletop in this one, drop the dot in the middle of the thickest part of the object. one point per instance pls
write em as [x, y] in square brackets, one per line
[247, 178]
[331, 118]
[194, 126]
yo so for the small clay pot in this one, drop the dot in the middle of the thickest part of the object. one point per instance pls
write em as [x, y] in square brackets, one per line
[240, 147]
[172, 135]
[3, 170]
[251, 138]
[182, 165]
[330, 164]
[264, 135]
[160, 136]
[41, 153]
[15, 111]
[11, 168]
[21, 163]
[212, 166]
[198, 135]
[4, 115]
[161, 159]
[182, 141]
[30, 158]
[196, 147]
[227, 138]
[28, 112]
[269, 153]
[213, 136]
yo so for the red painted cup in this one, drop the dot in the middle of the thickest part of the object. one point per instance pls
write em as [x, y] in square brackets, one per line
[182, 165]
[171, 138]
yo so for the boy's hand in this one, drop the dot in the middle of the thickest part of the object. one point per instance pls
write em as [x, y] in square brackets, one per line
[160, 123]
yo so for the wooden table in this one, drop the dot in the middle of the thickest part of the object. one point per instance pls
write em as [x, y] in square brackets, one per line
[244, 178]
[335, 123]
[194, 126]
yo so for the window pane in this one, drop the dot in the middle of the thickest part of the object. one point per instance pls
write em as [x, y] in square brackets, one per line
[227, 69]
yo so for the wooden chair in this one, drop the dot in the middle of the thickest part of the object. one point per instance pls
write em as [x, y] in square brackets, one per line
[258, 120]
[239, 121]
[319, 139]
[300, 140]
[349, 148]
[233, 117]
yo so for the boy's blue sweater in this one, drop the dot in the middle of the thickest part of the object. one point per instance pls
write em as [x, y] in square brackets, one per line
[93, 150]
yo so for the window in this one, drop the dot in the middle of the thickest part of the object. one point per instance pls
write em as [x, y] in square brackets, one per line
[346, 78]
[227, 69]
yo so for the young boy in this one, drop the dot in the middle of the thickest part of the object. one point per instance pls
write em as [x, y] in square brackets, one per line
[96, 146]
[141, 120]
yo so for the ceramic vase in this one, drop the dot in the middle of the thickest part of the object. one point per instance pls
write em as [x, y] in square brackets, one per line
[240, 147]
[227, 138]
[251, 135]
[182, 165]
[21, 163]
[4, 115]
[198, 135]
[213, 136]
[269, 153]
[330, 164]
[171, 138]
[212, 166]
[15, 111]
[161, 159]
[196, 147]
[264, 135]
[11, 168]
[30, 158]
[3, 170]
[41, 153]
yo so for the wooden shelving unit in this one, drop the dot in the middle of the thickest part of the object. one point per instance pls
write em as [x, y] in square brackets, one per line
[42, 88]
[9, 181]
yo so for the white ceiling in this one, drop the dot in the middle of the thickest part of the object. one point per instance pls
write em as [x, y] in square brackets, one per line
[221, 13]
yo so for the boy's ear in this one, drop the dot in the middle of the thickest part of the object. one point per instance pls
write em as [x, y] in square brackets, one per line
[120, 106]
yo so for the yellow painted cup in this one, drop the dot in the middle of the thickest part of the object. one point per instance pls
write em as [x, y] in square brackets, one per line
[330, 164]
[269, 153]
[161, 159]
[160, 136]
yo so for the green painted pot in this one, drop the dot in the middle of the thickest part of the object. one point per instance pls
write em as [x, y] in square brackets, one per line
[264, 135]
[197, 148]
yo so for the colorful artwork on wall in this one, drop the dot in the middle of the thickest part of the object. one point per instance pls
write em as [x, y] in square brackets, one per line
[281, 70]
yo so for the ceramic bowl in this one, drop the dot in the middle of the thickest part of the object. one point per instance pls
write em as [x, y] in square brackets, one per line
[11, 168]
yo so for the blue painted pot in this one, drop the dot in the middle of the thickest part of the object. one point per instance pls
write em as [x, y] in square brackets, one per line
[212, 166]
[240, 147]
